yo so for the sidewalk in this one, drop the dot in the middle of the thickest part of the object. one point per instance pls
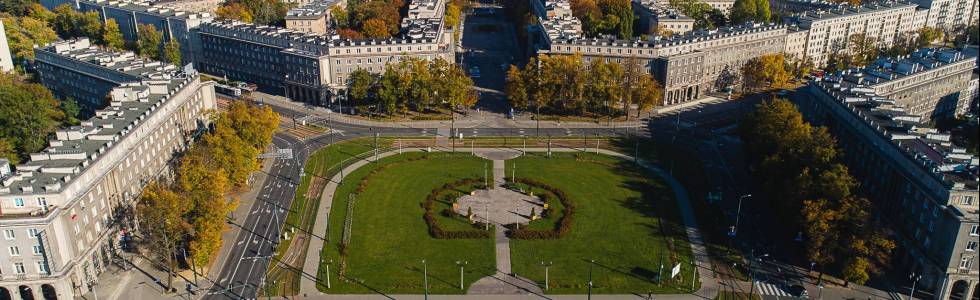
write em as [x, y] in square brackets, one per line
[709, 284]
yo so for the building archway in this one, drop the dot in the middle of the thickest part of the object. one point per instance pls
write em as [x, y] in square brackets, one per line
[26, 293]
[976, 293]
[49, 292]
[959, 290]
[5, 294]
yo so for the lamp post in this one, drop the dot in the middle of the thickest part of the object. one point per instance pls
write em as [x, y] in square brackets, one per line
[329, 262]
[425, 279]
[591, 264]
[461, 264]
[915, 279]
[738, 213]
[546, 266]
[820, 293]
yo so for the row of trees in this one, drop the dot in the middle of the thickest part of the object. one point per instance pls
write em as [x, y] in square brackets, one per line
[190, 213]
[412, 84]
[38, 26]
[368, 18]
[29, 113]
[265, 12]
[751, 11]
[565, 84]
[797, 171]
[602, 17]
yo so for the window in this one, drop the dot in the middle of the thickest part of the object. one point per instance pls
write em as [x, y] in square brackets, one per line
[37, 249]
[971, 246]
[14, 251]
[966, 200]
[42, 267]
[973, 230]
[9, 234]
[966, 262]
[18, 202]
[19, 268]
[32, 232]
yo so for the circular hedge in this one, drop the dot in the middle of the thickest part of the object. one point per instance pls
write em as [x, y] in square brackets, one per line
[435, 230]
[564, 224]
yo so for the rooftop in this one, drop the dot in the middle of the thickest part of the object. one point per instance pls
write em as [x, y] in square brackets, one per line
[312, 10]
[77, 148]
[844, 10]
[147, 7]
[927, 147]
[887, 69]
[126, 62]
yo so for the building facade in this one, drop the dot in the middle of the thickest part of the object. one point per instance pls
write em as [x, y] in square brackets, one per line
[922, 185]
[312, 68]
[63, 213]
[178, 25]
[313, 17]
[828, 30]
[661, 20]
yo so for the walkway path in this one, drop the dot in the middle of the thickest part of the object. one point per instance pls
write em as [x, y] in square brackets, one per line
[709, 284]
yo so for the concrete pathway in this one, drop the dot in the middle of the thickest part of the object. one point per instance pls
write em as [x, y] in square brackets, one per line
[709, 284]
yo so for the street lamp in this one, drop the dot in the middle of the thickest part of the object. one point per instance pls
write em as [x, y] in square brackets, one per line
[329, 262]
[915, 279]
[738, 213]
[591, 264]
[425, 279]
[546, 266]
[461, 264]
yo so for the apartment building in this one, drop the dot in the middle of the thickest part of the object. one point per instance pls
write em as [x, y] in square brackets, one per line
[178, 25]
[929, 83]
[64, 212]
[725, 6]
[923, 185]
[948, 14]
[688, 65]
[657, 19]
[79, 71]
[828, 30]
[312, 68]
[313, 17]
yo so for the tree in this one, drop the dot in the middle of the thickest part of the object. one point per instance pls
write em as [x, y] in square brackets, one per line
[376, 28]
[171, 52]
[768, 71]
[90, 25]
[255, 125]
[452, 16]
[517, 90]
[17, 8]
[762, 13]
[25, 32]
[339, 16]
[927, 36]
[743, 11]
[204, 187]
[8, 152]
[149, 41]
[234, 11]
[647, 94]
[162, 215]
[359, 85]
[705, 17]
[29, 113]
[111, 36]
[388, 90]
[863, 49]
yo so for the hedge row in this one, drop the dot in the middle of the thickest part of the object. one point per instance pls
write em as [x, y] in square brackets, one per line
[435, 230]
[564, 224]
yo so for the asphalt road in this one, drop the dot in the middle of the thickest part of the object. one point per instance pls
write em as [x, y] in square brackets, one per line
[489, 41]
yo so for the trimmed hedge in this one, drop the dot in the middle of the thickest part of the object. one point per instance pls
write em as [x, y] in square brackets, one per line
[564, 224]
[435, 230]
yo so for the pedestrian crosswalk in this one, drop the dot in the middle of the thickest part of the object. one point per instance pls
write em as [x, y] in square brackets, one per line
[771, 289]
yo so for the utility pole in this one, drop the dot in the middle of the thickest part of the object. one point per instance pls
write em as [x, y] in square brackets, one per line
[738, 213]
[591, 264]
[546, 266]
[425, 279]
[461, 264]
[330, 262]
[376, 134]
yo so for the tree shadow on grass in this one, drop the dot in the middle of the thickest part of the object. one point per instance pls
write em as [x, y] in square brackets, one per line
[429, 275]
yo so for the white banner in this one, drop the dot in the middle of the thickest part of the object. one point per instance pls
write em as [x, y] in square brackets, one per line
[676, 270]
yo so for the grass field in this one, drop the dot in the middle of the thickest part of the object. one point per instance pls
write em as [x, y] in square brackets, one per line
[389, 238]
[625, 231]
[322, 165]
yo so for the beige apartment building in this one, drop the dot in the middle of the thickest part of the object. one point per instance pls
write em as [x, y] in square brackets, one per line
[64, 212]
[828, 30]
[314, 17]
[657, 19]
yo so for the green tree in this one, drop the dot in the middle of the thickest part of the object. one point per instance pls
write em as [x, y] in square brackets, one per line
[28, 114]
[204, 187]
[517, 88]
[863, 49]
[7, 151]
[647, 94]
[762, 12]
[171, 52]
[339, 16]
[767, 71]
[744, 11]
[389, 90]
[927, 36]
[111, 36]
[149, 41]
[359, 86]
[89, 25]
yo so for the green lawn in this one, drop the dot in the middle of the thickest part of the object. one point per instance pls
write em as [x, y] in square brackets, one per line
[389, 237]
[626, 231]
[323, 163]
